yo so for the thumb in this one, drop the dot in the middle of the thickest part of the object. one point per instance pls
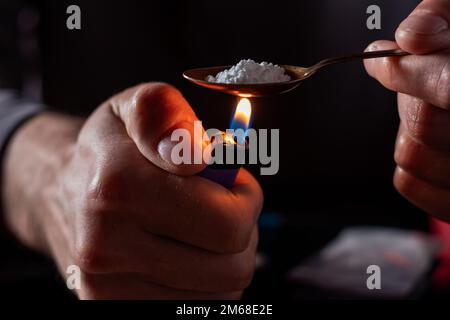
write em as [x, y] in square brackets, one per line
[426, 29]
[151, 112]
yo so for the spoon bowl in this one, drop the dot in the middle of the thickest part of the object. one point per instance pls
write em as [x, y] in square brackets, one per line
[248, 90]
[297, 74]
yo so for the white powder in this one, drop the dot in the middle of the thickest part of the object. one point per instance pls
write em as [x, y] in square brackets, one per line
[249, 71]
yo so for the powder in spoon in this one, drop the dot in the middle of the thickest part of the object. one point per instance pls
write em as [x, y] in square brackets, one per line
[249, 71]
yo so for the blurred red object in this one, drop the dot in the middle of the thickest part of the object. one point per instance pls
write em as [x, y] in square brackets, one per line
[441, 276]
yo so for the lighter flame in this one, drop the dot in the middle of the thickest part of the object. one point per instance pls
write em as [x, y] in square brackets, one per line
[243, 112]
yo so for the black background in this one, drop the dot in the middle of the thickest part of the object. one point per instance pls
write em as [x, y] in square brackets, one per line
[337, 130]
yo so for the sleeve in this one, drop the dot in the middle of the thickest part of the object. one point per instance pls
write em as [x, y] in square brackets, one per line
[13, 112]
[19, 75]
[19, 67]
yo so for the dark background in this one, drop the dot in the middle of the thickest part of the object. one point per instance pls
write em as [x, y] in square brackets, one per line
[337, 131]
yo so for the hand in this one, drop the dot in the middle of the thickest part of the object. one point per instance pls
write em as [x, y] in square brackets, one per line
[108, 199]
[422, 81]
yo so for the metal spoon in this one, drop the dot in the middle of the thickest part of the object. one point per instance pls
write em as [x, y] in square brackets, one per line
[297, 74]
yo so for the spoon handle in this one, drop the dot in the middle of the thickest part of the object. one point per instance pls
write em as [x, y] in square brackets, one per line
[364, 55]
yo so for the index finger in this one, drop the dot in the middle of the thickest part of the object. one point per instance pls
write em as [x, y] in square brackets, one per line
[425, 77]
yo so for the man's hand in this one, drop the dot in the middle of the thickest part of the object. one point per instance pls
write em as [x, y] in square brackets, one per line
[108, 199]
[423, 81]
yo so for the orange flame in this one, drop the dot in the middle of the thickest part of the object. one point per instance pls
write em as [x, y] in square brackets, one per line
[243, 112]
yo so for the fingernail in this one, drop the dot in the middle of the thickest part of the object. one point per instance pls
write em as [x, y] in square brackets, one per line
[165, 147]
[187, 137]
[371, 47]
[424, 23]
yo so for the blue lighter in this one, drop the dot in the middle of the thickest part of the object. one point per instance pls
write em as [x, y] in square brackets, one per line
[229, 156]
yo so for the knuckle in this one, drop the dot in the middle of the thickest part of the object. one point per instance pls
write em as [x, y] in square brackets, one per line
[425, 163]
[408, 153]
[96, 223]
[155, 94]
[404, 183]
[90, 256]
[155, 98]
[106, 186]
[420, 131]
[91, 240]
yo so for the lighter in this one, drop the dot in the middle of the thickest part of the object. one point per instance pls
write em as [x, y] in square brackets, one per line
[230, 155]
[228, 149]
